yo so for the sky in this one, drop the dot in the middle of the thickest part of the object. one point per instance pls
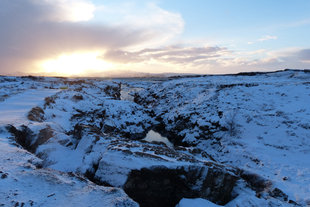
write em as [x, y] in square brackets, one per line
[102, 37]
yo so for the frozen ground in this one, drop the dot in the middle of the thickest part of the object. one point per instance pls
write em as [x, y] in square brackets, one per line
[254, 127]
[23, 182]
[266, 117]
[14, 109]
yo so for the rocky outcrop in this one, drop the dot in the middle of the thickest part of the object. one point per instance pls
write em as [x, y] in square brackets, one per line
[115, 119]
[27, 139]
[43, 136]
[22, 136]
[161, 186]
[113, 91]
[36, 114]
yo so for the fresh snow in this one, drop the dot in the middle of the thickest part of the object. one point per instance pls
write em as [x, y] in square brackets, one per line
[14, 109]
[22, 183]
[197, 202]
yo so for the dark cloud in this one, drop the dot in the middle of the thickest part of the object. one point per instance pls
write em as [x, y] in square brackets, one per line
[174, 54]
[28, 32]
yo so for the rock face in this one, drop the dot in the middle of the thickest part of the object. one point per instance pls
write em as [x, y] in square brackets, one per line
[22, 136]
[36, 114]
[27, 139]
[161, 186]
[43, 136]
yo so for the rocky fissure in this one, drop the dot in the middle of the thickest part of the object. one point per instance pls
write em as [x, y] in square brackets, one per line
[161, 186]
[88, 129]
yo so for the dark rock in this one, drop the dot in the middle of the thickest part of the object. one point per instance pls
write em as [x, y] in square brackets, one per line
[48, 101]
[285, 178]
[161, 186]
[23, 137]
[4, 175]
[277, 193]
[255, 182]
[36, 114]
[77, 131]
[293, 202]
[43, 136]
[113, 91]
[78, 98]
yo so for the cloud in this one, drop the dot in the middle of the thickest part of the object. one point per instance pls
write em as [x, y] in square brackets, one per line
[215, 60]
[32, 30]
[263, 39]
[161, 24]
[292, 58]
[172, 54]
[70, 10]
[267, 37]
[137, 36]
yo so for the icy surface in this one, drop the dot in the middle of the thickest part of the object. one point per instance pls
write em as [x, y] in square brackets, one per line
[153, 136]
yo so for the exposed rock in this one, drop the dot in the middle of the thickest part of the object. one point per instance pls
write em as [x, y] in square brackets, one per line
[36, 114]
[277, 193]
[113, 91]
[23, 137]
[43, 136]
[255, 181]
[115, 119]
[161, 186]
[49, 100]
[77, 98]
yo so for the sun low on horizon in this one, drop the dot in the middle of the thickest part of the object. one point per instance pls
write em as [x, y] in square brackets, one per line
[75, 64]
[154, 103]
[90, 37]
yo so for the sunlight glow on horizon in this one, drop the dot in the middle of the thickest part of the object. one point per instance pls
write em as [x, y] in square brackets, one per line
[75, 64]
[93, 38]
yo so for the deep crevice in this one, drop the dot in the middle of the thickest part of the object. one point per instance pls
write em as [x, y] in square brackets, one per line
[161, 186]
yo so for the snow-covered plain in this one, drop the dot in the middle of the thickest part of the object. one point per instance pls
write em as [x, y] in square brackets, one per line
[92, 131]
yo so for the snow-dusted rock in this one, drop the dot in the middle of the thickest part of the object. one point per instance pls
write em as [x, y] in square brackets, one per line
[252, 127]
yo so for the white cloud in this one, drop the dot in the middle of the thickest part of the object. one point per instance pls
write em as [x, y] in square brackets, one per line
[71, 10]
[177, 55]
[267, 37]
[158, 24]
[263, 39]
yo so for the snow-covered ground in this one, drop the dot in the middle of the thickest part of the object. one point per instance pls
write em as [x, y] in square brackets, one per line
[254, 127]
[14, 109]
[267, 117]
[23, 182]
